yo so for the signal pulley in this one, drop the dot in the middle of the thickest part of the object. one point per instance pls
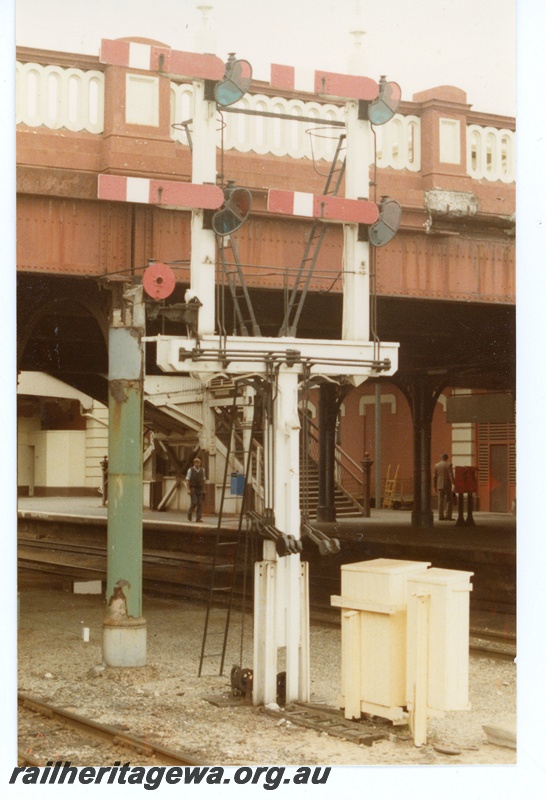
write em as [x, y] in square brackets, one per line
[158, 281]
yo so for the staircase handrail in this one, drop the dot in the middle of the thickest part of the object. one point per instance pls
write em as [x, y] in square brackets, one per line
[359, 475]
[342, 459]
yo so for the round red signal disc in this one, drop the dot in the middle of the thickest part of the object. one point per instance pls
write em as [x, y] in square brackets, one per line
[158, 281]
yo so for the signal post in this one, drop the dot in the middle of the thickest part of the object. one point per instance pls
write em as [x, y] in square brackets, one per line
[281, 601]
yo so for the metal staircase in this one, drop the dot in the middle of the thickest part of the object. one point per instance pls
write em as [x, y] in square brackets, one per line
[348, 480]
[346, 506]
[180, 407]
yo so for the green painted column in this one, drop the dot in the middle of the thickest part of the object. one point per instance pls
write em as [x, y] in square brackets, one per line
[124, 629]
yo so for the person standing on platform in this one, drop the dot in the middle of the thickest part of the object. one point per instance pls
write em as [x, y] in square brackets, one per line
[443, 485]
[195, 482]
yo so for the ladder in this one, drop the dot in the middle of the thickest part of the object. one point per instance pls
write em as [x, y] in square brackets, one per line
[390, 488]
[230, 556]
[311, 252]
[224, 568]
[238, 289]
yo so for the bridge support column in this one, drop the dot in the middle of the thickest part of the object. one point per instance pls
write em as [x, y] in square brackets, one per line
[124, 628]
[423, 402]
[328, 407]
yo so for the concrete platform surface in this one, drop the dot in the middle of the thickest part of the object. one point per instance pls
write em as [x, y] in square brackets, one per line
[496, 532]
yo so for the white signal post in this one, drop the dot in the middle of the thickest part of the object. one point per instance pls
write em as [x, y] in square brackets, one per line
[281, 599]
[203, 241]
[356, 254]
[284, 593]
[281, 595]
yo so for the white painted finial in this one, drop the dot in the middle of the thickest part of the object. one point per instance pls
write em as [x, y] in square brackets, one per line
[205, 38]
[356, 62]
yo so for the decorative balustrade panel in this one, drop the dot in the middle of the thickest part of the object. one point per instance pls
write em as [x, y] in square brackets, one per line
[283, 137]
[181, 111]
[491, 153]
[57, 97]
[60, 98]
[398, 142]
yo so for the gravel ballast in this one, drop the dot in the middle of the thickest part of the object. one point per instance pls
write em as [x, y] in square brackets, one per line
[165, 700]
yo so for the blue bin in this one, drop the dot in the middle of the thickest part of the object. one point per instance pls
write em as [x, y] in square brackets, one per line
[237, 483]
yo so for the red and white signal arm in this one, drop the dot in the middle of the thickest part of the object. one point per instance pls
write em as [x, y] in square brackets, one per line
[327, 84]
[170, 194]
[158, 58]
[335, 209]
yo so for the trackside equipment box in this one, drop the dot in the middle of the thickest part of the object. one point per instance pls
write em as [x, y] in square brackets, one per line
[438, 637]
[373, 629]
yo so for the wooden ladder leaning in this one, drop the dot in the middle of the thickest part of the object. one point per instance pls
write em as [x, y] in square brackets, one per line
[390, 488]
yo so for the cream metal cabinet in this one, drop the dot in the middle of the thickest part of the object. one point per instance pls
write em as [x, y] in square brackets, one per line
[373, 602]
[438, 638]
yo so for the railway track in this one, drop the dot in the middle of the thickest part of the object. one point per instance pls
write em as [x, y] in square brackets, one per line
[161, 557]
[187, 574]
[495, 645]
[171, 573]
[48, 733]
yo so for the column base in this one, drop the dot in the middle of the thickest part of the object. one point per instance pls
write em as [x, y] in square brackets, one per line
[422, 519]
[124, 645]
[326, 513]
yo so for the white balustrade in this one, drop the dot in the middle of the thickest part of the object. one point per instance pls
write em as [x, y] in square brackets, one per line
[283, 137]
[491, 153]
[399, 143]
[57, 97]
[181, 110]
[60, 98]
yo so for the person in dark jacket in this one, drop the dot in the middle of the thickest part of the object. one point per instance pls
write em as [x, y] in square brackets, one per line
[195, 481]
[443, 484]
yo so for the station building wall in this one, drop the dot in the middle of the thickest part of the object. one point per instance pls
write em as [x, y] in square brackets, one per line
[60, 446]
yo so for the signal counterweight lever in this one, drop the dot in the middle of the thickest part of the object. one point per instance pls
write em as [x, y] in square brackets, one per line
[325, 544]
[285, 544]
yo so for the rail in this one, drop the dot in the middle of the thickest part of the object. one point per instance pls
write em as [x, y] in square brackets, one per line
[178, 581]
[112, 735]
[56, 97]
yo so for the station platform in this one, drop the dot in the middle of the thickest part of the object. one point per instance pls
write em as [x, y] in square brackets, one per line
[486, 549]
[494, 530]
